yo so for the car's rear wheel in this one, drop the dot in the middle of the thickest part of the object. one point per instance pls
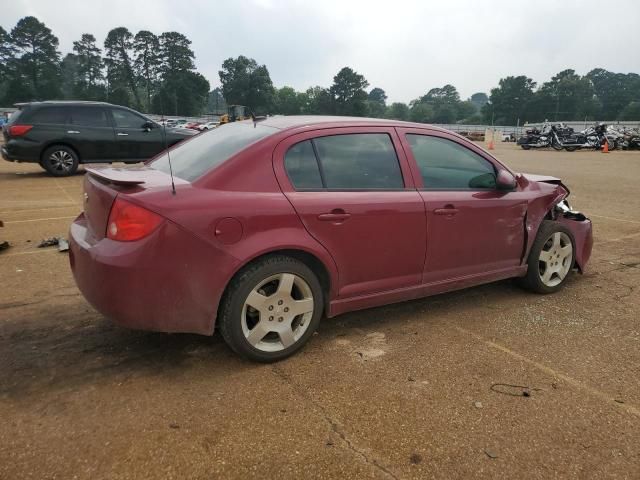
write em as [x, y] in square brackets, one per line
[271, 309]
[60, 161]
[551, 259]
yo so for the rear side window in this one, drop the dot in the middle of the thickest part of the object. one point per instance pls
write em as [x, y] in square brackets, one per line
[445, 165]
[127, 119]
[362, 161]
[49, 115]
[204, 152]
[302, 167]
[89, 117]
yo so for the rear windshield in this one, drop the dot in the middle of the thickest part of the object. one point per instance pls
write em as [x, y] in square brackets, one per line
[207, 150]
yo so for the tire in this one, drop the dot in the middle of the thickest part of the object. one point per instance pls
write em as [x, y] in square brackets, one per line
[570, 149]
[256, 318]
[525, 147]
[556, 146]
[549, 263]
[60, 161]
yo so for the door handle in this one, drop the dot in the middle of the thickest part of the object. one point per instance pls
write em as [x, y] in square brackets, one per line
[337, 215]
[120, 134]
[73, 131]
[447, 210]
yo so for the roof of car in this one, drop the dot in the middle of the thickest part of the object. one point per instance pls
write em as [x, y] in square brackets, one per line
[285, 122]
[63, 102]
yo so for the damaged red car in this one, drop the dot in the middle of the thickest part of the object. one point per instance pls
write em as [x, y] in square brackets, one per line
[262, 228]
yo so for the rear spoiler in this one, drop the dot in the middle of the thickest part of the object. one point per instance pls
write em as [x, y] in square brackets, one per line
[116, 176]
[133, 176]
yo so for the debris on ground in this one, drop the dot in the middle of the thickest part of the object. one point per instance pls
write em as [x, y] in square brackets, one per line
[490, 453]
[513, 390]
[61, 242]
[63, 245]
[477, 404]
[415, 458]
[4, 245]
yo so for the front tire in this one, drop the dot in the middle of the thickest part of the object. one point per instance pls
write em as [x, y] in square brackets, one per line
[271, 309]
[551, 259]
[60, 161]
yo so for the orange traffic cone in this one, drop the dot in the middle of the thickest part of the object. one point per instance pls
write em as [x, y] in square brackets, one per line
[605, 147]
[491, 145]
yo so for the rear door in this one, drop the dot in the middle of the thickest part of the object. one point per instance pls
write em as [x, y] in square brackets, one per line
[91, 133]
[353, 190]
[473, 228]
[134, 141]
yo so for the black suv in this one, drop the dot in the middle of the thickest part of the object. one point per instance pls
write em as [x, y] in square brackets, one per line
[61, 135]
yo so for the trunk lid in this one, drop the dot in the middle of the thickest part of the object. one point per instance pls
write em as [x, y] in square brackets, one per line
[103, 185]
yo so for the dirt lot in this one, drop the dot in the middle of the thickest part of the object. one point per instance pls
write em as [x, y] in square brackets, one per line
[402, 391]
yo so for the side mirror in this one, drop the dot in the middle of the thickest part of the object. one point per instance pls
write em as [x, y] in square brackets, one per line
[147, 126]
[505, 181]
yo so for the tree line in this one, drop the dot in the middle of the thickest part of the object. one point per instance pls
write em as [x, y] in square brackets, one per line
[148, 72]
[156, 73]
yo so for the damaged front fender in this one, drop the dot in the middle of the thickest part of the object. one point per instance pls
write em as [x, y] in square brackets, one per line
[581, 229]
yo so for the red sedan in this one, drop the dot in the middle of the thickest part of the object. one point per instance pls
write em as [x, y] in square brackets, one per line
[273, 224]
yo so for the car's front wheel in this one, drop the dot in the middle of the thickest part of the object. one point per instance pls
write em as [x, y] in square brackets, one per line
[60, 161]
[271, 309]
[551, 258]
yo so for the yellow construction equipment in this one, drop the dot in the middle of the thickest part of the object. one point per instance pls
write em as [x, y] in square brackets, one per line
[235, 113]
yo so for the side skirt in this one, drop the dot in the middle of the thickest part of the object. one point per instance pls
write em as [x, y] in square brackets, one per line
[344, 305]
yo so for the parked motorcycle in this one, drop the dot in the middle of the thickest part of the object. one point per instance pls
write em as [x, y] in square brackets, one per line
[593, 137]
[537, 138]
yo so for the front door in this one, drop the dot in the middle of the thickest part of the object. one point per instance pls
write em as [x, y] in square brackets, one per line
[353, 191]
[91, 134]
[473, 228]
[134, 141]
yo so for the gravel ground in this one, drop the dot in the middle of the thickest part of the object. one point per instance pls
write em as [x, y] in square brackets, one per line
[403, 391]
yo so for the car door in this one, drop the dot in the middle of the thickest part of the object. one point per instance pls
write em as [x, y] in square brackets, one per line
[472, 227]
[91, 134]
[354, 193]
[134, 141]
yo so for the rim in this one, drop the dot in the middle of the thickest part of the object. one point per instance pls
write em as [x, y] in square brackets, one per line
[555, 259]
[277, 312]
[61, 160]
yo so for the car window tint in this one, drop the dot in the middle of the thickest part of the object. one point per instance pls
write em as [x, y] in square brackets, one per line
[49, 115]
[127, 119]
[201, 153]
[302, 167]
[89, 117]
[359, 161]
[444, 164]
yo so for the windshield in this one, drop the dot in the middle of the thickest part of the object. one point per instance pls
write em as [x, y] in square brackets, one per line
[208, 150]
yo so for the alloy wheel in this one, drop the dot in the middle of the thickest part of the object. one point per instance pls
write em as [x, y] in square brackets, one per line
[277, 312]
[61, 161]
[555, 259]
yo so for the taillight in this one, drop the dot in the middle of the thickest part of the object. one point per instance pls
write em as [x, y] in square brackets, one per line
[128, 222]
[19, 130]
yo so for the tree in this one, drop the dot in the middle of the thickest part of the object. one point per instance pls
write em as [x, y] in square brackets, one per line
[7, 52]
[421, 112]
[35, 69]
[479, 99]
[377, 102]
[318, 101]
[146, 46]
[244, 82]
[70, 80]
[509, 101]
[572, 95]
[88, 66]
[349, 94]
[288, 101]
[398, 111]
[120, 73]
[216, 103]
[184, 93]
[630, 112]
[614, 90]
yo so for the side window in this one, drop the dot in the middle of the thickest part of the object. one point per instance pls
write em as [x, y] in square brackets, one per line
[302, 167]
[89, 117]
[127, 119]
[445, 165]
[359, 161]
[49, 115]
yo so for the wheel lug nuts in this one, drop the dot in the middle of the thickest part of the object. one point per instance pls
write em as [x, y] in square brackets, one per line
[280, 302]
[270, 307]
[270, 319]
[286, 309]
[280, 319]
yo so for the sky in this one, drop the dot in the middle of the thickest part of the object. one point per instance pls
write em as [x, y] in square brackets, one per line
[405, 47]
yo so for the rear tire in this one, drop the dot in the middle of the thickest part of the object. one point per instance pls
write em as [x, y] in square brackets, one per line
[60, 161]
[271, 309]
[570, 149]
[550, 260]
[525, 147]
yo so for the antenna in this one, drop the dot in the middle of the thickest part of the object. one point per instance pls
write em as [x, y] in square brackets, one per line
[164, 141]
